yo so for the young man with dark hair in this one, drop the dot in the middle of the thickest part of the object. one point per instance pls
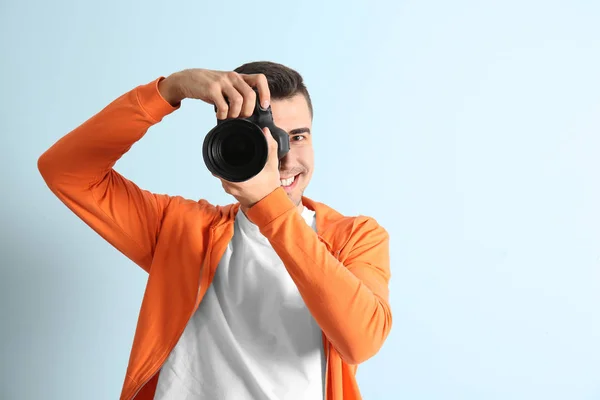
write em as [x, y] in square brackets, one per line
[275, 296]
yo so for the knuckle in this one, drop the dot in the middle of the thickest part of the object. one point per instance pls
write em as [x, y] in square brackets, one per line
[261, 78]
[236, 100]
[232, 75]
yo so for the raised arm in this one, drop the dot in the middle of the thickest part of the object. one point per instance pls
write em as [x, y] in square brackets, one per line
[78, 169]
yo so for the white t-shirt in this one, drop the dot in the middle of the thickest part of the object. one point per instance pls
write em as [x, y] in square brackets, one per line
[252, 336]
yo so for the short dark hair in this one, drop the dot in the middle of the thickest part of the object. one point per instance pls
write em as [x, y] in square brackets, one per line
[284, 82]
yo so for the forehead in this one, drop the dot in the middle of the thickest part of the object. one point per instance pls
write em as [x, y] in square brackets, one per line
[291, 113]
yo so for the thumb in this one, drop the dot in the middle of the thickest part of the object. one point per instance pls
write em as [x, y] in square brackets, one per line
[271, 142]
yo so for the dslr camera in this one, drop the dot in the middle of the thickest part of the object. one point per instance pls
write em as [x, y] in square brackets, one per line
[236, 148]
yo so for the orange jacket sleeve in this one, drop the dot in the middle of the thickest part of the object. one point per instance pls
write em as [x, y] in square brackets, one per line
[78, 169]
[349, 299]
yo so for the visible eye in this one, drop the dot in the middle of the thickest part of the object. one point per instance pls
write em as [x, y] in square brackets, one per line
[297, 138]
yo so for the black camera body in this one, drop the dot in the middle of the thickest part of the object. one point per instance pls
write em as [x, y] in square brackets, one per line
[236, 148]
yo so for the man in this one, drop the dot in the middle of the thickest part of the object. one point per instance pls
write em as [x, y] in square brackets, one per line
[273, 297]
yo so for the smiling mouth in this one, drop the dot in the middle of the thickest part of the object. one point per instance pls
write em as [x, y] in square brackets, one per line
[289, 182]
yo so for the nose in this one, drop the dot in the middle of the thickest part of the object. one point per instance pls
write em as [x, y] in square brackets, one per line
[288, 159]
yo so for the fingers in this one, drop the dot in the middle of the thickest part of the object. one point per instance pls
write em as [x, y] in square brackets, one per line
[272, 143]
[259, 81]
[234, 97]
[239, 94]
[218, 99]
[248, 95]
[230, 92]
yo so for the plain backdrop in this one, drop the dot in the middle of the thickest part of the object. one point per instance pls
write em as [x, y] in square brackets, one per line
[469, 129]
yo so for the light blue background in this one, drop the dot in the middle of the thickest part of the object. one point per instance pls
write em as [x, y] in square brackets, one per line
[469, 129]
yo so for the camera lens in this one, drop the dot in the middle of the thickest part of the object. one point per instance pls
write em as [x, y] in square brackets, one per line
[235, 150]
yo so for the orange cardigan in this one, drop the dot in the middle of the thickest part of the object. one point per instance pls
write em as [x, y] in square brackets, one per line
[342, 270]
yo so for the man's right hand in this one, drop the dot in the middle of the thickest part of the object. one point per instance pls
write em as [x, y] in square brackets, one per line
[214, 87]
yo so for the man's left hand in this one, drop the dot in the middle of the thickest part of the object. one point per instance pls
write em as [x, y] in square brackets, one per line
[258, 187]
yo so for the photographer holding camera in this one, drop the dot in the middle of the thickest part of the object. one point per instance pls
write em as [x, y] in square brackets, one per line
[275, 296]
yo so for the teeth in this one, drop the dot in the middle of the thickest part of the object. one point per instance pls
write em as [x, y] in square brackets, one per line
[287, 182]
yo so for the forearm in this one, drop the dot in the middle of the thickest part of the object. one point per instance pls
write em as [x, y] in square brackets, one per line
[87, 153]
[79, 171]
[349, 302]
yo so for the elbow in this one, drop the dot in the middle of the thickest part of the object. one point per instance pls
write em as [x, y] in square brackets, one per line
[50, 169]
[44, 167]
[358, 355]
[367, 344]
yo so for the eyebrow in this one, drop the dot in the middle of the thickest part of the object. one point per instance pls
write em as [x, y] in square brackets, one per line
[298, 131]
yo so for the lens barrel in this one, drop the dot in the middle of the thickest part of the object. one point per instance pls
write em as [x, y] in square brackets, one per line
[235, 149]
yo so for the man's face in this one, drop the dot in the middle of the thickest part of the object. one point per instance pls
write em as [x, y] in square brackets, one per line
[296, 168]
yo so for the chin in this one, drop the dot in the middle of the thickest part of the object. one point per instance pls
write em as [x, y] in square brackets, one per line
[295, 191]
[295, 197]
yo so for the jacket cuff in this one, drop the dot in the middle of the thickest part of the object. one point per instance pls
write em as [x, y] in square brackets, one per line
[270, 208]
[152, 102]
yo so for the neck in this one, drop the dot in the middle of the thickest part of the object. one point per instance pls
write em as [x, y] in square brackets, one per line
[300, 207]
